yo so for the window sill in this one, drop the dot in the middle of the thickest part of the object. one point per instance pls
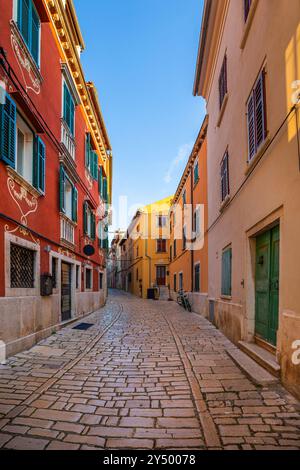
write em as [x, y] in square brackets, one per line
[259, 154]
[225, 203]
[248, 24]
[23, 183]
[28, 62]
[226, 297]
[222, 110]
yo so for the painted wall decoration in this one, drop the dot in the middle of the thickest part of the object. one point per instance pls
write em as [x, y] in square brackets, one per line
[29, 71]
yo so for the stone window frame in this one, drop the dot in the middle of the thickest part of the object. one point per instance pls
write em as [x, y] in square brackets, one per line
[16, 292]
[92, 279]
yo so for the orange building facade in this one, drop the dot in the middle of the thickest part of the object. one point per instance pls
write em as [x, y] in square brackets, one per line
[188, 221]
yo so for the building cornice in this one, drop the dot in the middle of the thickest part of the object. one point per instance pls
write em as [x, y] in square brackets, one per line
[63, 27]
[193, 157]
[210, 37]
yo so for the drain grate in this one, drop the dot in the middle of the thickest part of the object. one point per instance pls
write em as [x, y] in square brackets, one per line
[83, 326]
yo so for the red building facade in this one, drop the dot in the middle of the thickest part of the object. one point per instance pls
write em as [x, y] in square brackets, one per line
[55, 174]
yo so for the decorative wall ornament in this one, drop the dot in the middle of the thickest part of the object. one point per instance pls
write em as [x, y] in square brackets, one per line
[29, 70]
[66, 253]
[26, 202]
[23, 231]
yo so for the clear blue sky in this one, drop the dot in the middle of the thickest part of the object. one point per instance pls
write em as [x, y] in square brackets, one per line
[141, 54]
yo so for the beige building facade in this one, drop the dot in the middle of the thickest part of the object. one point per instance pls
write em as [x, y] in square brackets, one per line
[247, 71]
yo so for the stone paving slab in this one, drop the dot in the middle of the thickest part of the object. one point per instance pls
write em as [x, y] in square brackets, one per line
[146, 375]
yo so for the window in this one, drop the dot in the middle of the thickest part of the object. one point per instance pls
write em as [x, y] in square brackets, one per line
[68, 196]
[226, 272]
[180, 281]
[88, 278]
[162, 221]
[78, 272]
[184, 198]
[54, 272]
[161, 246]
[197, 277]
[184, 238]
[101, 281]
[247, 6]
[89, 221]
[175, 248]
[256, 112]
[68, 109]
[21, 267]
[91, 160]
[175, 282]
[20, 148]
[196, 173]
[29, 25]
[223, 82]
[225, 176]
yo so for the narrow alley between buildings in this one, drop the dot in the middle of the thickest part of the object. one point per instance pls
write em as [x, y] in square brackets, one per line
[140, 377]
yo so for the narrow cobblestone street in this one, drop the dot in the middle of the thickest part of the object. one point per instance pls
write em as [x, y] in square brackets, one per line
[146, 375]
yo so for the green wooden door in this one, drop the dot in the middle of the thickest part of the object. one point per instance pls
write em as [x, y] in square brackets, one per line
[267, 285]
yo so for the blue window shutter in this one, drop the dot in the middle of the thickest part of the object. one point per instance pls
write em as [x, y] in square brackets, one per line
[62, 179]
[8, 119]
[39, 164]
[74, 204]
[35, 34]
[24, 19]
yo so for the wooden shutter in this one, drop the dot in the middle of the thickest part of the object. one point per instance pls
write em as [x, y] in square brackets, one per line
[225, 176]
[23, 19]
[62, 197]
[74, 204]
[223, 82]
[93, 226]
[72, 115]
[39, 165]
[260, 128]
[105, 189]
[85, 218]
[95, 165]
[8, 118]
[100, 180]
[226, 272]
[35, 34]
[251, 128]
[87, 150]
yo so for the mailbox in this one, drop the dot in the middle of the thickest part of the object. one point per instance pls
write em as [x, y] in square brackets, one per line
[46, 285]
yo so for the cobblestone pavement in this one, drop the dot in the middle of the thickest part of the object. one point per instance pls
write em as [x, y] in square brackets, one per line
[146, 375]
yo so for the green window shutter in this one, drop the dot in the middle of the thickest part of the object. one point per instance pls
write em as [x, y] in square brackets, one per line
[96, 166]
[85, 218]
[74, 204]
[72, 115]
[100, 180]
[105, 189]
[87, 150]
[69, 109]
[24, 19]
[8, 119]
[35, 34]
[226, 272]
[39, 160]
[62, 197]
[93, 226]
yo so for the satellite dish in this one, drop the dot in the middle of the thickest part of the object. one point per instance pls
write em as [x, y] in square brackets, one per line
[89, 250]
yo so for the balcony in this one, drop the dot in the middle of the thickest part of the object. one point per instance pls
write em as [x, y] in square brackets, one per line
[67, 140]
[67, 230]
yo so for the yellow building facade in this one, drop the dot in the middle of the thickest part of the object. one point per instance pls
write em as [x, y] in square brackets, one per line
[145, 250]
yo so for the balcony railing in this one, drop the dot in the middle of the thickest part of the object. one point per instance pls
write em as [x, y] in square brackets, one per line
[67, 139]
[67, 231]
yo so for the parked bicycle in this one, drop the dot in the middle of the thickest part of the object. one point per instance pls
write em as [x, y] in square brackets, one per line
[183, 301]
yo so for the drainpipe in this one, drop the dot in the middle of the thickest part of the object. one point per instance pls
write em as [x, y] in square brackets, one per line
[192, 204]
[148, 257]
